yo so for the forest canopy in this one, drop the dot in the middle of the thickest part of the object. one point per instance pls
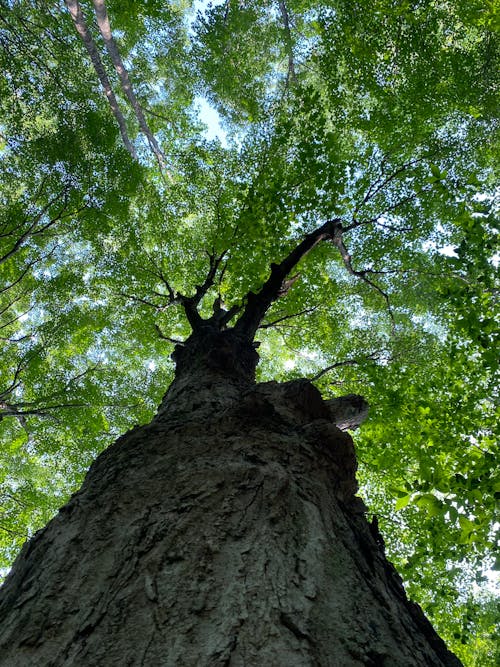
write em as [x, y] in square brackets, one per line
[115, 196]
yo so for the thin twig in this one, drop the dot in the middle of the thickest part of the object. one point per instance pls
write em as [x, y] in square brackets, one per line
[338, 240]
[340, 364]
[306, 311]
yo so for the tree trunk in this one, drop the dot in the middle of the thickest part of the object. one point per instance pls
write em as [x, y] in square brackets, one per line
[86, 37]
[226, 532]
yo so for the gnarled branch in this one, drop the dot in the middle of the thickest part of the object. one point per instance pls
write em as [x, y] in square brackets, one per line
[348, 412]
[258, 304]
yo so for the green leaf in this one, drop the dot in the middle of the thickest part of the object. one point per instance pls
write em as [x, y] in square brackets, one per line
[402, 502]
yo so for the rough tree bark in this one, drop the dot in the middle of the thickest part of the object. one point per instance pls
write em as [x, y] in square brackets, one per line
[225, 532]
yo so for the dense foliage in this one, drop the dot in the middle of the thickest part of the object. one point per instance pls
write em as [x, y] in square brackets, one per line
[379, 113]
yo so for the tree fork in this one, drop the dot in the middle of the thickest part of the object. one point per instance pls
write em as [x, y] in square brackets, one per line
[257, 304]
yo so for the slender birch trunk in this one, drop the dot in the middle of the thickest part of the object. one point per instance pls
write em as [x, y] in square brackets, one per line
[76, 14]
[112, 48]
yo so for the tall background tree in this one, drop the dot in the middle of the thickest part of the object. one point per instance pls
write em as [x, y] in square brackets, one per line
[113, 200]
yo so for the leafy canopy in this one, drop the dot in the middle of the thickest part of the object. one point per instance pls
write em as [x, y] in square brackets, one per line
[381, 114]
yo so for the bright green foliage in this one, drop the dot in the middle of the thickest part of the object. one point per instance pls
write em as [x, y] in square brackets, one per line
[380, 113]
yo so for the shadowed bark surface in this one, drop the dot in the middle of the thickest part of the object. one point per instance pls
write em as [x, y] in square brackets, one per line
[226, 532]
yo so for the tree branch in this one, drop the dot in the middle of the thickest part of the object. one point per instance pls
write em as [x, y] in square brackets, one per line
[306, 311]
[31, 229]
[191, 303]
[340, 364]
[258, 304]
[174, 341]
[380, 183]
[145, 302]
[15, 533]
[9, 410]
[16, 318]
[389, 209]
[21, 365]
[26, 269]
[346, 257]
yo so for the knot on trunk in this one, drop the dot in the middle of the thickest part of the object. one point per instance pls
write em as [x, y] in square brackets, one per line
[299, 400]
[348, 412]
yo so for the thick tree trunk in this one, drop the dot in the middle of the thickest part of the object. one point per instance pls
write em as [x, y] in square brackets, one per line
[226, 532]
